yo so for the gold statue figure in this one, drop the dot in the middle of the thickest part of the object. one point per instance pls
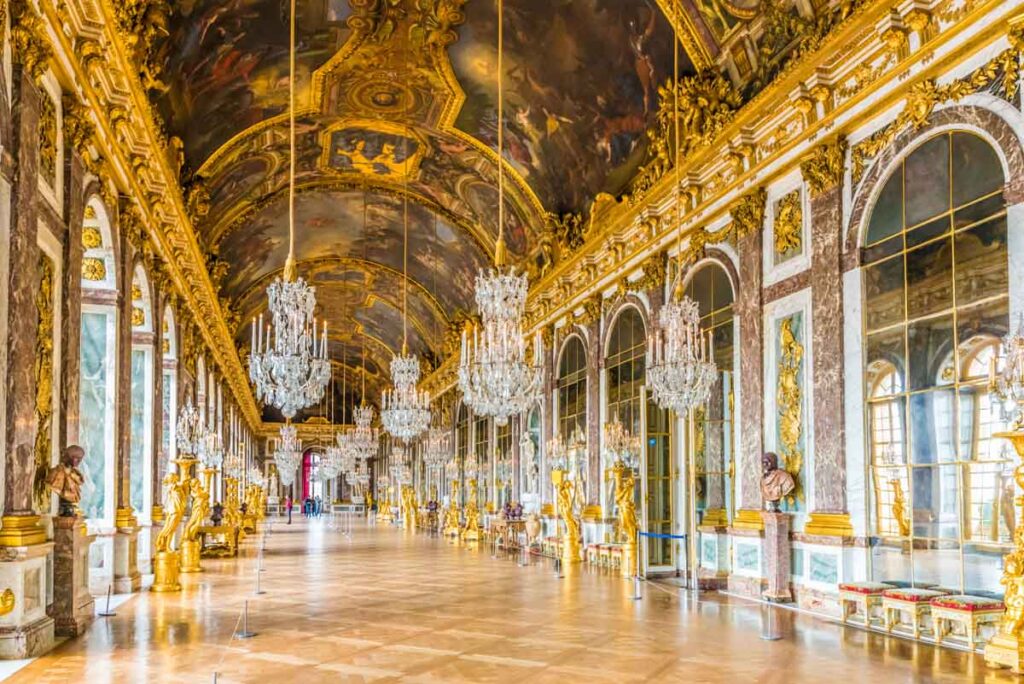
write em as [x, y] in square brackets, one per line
[571, 540]
[177, 498]
[200, 509]
[625, 502]
[789, 397]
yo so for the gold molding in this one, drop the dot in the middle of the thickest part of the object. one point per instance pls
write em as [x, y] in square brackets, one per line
[21, 530]
[829, 525]
[748, 519]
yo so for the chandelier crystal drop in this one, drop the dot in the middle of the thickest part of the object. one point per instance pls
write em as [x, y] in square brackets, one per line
[680, 372]
[211, 450]
[405, 410]
[256, 477]
[234, 463]
[1007, 383]
[289, 365]
[620, 444]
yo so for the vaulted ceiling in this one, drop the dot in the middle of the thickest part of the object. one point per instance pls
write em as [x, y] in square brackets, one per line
[397, 101]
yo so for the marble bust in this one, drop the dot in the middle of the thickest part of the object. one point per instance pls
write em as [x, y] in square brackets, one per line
[776, 483]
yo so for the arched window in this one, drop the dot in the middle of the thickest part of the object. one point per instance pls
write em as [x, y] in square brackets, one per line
[462, 440]
[936, 277]
[572, 390]
[710, 287]
[624, 364]
[482, 450]
[97, 358]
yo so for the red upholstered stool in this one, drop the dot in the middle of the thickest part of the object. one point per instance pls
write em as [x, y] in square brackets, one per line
[915, 602]
[593, 553]
[969, 612]
[865, 595]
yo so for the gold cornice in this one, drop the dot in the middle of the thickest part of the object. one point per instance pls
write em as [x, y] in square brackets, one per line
[619, 218]
[135, 142]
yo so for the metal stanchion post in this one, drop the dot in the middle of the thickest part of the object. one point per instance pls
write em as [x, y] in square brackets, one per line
[259, 591]
[245, 633]
[636, 588]
[768, 632]
[106, 612]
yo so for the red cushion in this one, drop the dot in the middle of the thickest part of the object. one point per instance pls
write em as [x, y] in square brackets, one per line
[869, 588]
[968, 604]
[912, 594]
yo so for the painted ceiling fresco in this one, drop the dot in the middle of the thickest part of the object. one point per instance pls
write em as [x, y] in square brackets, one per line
[226, 64]
[393, 103]
[581, 81]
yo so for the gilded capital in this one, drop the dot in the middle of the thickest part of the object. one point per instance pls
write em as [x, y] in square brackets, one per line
[748, 213]
[823, 168]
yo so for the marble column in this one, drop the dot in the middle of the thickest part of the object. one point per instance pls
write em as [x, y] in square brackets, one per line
[73, 605]
[71, 304]
[126, 573]
[27, 629]
[829, 514]
[751, 380]
[595, 362]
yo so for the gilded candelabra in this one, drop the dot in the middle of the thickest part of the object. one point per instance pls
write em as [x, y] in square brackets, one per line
[472, 531]
[571, 538]
[409, 511]
[190, 544]
[1006, 648]
[167, 562]
[452, 517]
[625, 501]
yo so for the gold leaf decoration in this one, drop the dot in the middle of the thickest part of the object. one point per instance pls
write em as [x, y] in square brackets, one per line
[94, 269]
[138, 316]
[788, 226]
[44, 383]
[823, 167]
[91, 238]
[47, 139]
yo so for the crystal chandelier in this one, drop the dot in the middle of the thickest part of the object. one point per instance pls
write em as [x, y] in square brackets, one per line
[364, 437]
[620, 444]
[189, 432]
[680, 372]
[211, 450]
[405, 410]
[330, 462]
[289, 368]
[233, 463]
[471, 467]
[1008, 384]
[288, 455]
[494, 376]
[256, 477]
[438, 446]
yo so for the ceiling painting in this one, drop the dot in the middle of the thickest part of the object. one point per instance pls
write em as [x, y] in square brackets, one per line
[226, 64]
[576, 110]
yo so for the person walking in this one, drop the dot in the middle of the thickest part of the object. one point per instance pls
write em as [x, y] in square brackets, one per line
[288, 505]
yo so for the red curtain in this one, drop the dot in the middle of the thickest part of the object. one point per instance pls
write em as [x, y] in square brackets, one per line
[307, 466]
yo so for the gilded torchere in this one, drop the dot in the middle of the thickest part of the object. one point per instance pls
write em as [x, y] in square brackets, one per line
[190, 545]
[625, 500]
[167, 562]
[472, 530]
[1006, 648]
[453, 514]
[571, 538]
[408, 507]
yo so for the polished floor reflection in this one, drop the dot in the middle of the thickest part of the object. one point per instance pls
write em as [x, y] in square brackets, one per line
[387, 605]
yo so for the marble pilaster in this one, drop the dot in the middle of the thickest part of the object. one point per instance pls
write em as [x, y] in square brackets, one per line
[829, 459]
[751, 378]
[595, 364]
[71, 301]
[547, 410]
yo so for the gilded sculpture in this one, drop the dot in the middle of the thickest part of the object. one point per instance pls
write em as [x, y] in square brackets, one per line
[176, 498]
[44, 382]
[47, 140]
[625, 502]
[571, 540]
[823, 167]
[899, 509]
[789, 400]
[787, 228]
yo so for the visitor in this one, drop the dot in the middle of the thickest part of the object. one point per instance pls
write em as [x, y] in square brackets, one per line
[288, 506]
[318, 506]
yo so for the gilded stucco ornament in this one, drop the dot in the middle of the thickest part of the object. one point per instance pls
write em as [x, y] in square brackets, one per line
[143, 23]
[44, 384]
[1001, 74]
[591, 310]
[748, 213]
[787, 228]
[823, 167]
[789, 398]
[78, 127]
[28, 41]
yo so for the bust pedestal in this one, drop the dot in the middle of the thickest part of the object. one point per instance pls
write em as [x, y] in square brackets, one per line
[776, 556]
[72, 603]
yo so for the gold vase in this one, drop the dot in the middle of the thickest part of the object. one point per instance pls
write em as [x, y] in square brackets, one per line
[190, 549]
[166, 567]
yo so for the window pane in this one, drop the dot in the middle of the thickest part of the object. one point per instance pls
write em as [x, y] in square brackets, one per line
[930, 279]
[936, 502]
[890, 562]
[930, 348]
[883, 293]
[983, 568]
[979, 324]
[886, 361]
[887, 216]
[981, 209]
[988, 505]
[927, 181]
[981, 261]
[976, 168]
[929, 231]
[932, 439]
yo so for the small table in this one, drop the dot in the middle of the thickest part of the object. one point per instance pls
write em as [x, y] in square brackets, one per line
[218, 541]
[506, 532]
